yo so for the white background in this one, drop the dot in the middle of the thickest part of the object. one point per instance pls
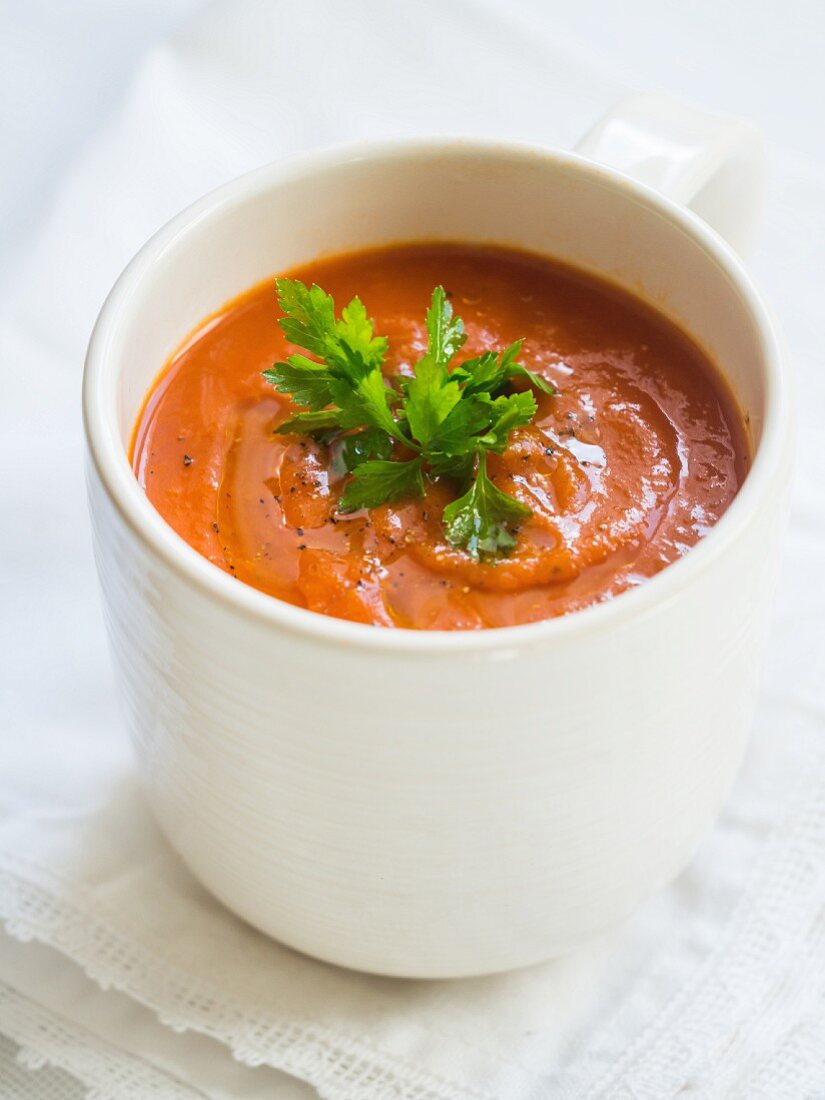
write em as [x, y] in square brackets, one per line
[66, 64]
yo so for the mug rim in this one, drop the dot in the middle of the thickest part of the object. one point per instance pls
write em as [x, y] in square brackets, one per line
[110, 458]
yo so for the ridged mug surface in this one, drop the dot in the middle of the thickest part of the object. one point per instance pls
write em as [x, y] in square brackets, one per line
[431, 805]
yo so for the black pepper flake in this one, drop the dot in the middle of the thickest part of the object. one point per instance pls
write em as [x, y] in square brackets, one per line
[549, 451]
[291, 489]
[188, 460]
[261, 500]
[216, 528]
[299, 531]
[302, 546]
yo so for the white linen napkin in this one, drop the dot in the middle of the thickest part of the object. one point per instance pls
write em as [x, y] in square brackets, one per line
[102, 1045]
[716, 988]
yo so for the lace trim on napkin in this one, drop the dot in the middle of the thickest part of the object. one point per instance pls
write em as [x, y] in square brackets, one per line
[340, 1067]
[45, 1039]
[749, 1023]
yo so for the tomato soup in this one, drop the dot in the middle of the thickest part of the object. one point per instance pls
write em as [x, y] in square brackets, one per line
[624, 469]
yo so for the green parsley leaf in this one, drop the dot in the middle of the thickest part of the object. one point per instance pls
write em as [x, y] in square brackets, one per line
[366, 404]
[445, 333]
[480, 522]
[362, 446]
[350, 376]
[308, 423]
[432, 394]
[513, 411]
[355, 331]
[309, 320]
[457, 467]
[347, 346]
[534, 379]
[457, 433]
[307, 382]
[377, 482]
[430, 398]
[480, 375]
[490, 373]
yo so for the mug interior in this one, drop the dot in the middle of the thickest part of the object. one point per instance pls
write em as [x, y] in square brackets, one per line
[554, 204]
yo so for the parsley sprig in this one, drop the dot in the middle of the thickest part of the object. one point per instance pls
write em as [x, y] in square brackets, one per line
[394, 434]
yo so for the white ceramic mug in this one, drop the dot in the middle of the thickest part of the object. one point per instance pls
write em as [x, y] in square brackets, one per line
[435, 804]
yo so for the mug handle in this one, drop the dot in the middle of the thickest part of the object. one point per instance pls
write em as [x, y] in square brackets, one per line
[712, 163]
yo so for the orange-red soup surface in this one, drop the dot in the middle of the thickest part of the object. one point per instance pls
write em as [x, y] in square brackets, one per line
[626, 469]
